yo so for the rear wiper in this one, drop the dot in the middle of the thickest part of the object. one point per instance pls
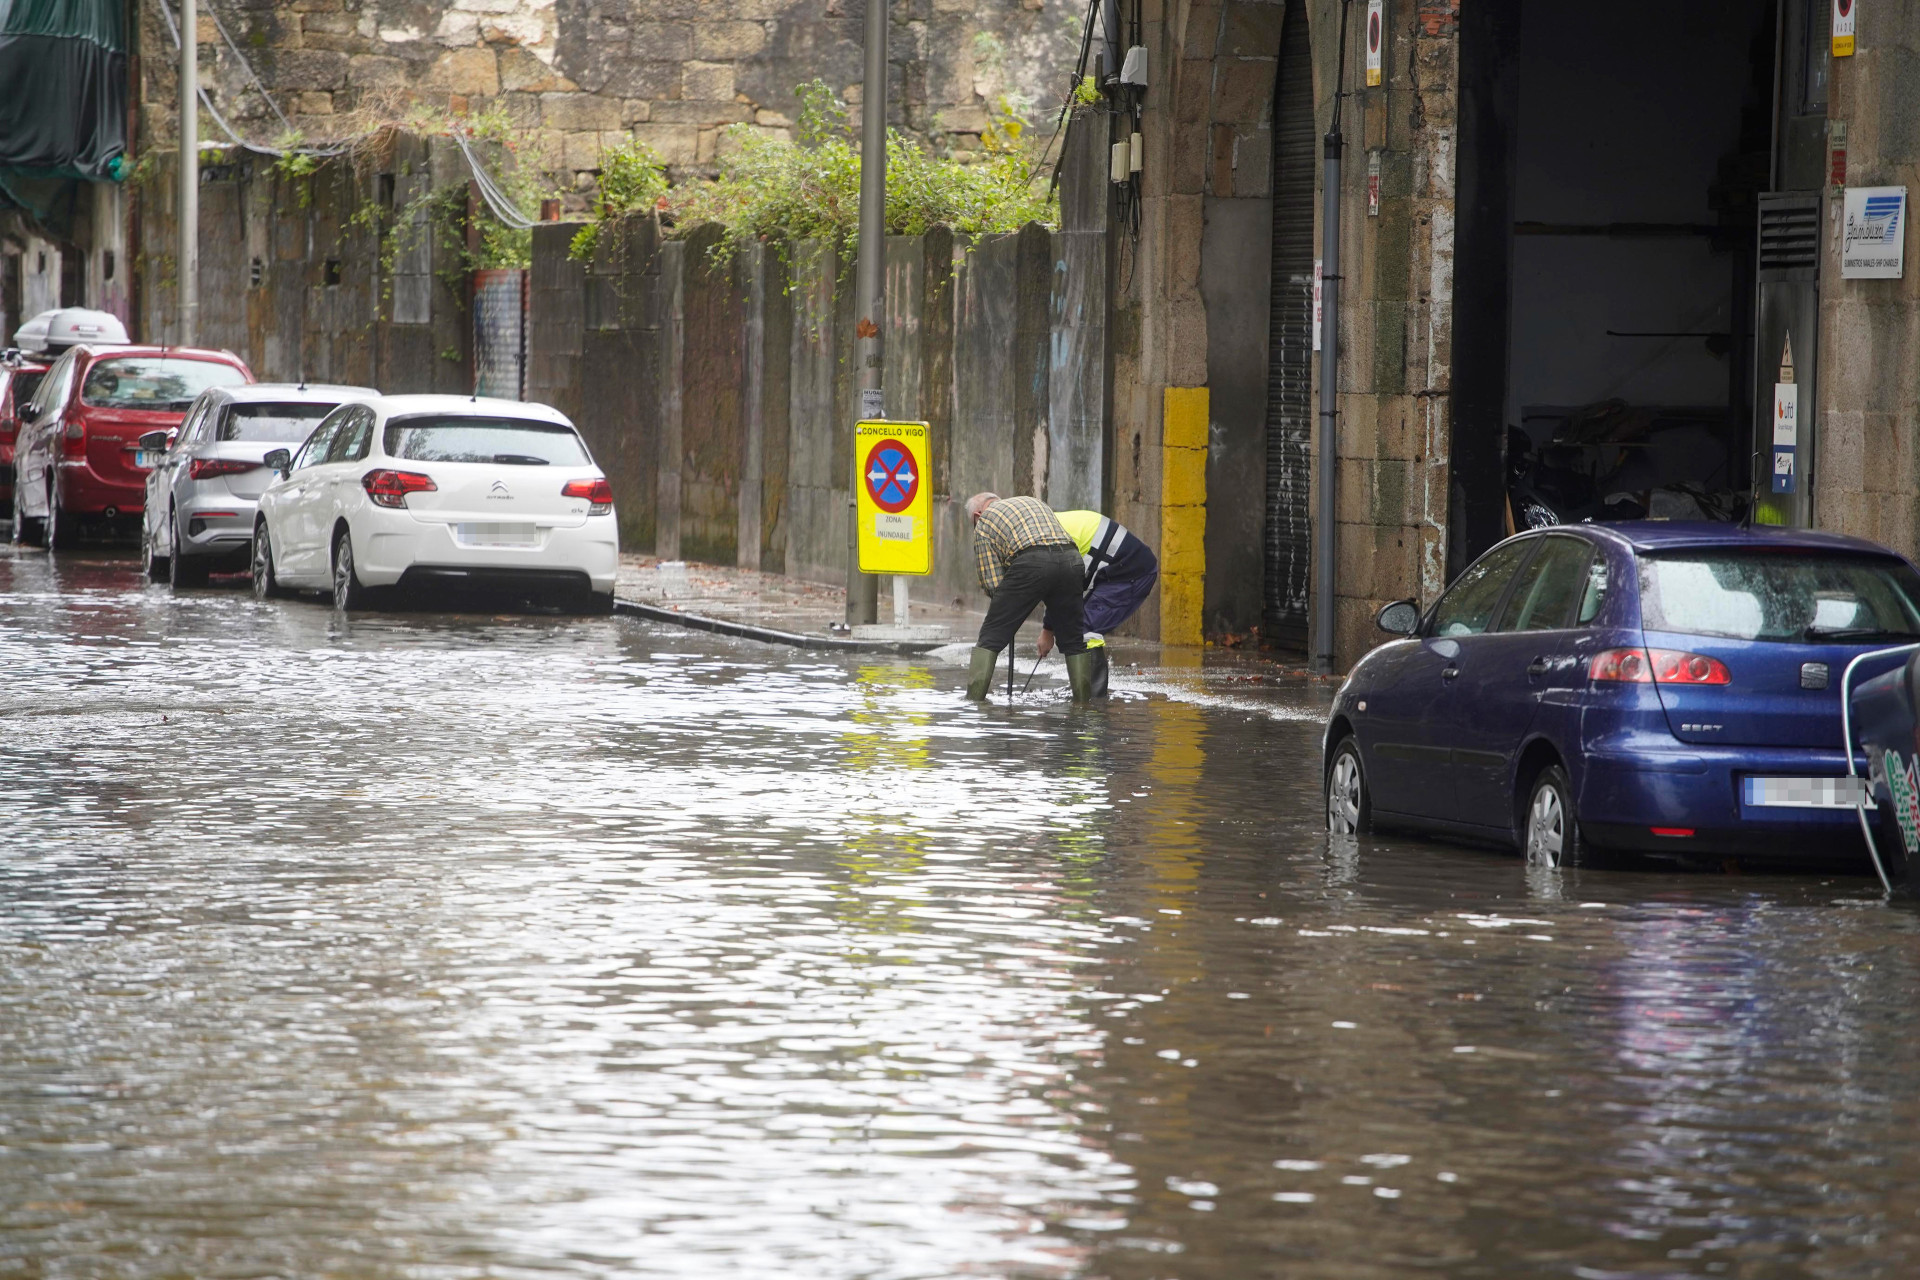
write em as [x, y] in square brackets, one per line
[518, 460]
[1857, 633]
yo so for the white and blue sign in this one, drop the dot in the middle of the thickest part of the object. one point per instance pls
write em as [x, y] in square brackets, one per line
[1873, 233]
[1786, 434]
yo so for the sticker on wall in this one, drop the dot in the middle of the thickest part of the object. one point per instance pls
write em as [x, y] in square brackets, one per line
[1786, 434]
[1373, 184]
[1873, 233]
[1376, 36]
[1843, 28]
[1786, 421]
[1837, 152]
[1316, 304]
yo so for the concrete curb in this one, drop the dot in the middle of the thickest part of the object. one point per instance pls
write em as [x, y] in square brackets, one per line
[770, 635]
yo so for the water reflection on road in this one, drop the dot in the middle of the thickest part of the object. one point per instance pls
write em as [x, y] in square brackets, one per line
[434, 946]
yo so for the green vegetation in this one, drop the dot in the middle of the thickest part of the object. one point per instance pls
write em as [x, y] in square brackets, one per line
[773, 188]
[632, 178]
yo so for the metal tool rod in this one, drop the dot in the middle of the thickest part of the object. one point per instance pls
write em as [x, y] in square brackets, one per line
[189, 251]
[869, 291]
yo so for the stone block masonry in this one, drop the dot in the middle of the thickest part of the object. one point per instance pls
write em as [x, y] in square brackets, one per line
[675, 74]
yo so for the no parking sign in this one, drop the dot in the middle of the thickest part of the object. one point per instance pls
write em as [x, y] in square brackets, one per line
[896, 534]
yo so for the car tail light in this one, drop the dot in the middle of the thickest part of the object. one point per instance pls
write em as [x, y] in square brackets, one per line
[1657, 666]
[1673, 833]
[390, 488]
[75, 433]
[598, 492]
[201, 468]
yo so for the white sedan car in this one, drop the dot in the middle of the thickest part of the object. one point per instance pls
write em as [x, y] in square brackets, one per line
[415, 491]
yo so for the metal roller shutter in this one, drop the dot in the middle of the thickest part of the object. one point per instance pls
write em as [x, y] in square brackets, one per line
[1290, 413]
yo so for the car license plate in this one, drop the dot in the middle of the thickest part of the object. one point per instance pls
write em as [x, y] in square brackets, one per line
[1805, 793]
[497, 535]
[147, 458]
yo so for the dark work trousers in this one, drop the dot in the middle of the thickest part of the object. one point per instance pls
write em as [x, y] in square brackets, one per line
[1118, 591]
[1052, 576]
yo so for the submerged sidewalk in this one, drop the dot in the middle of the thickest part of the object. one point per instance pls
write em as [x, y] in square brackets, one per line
[777, 609]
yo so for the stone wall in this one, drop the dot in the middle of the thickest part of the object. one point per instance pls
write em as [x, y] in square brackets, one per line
[1192, 311]
[291, 275]
[577, 74]
[722, 405]
[1867, 474]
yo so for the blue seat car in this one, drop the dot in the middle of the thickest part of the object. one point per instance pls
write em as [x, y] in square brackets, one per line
[1656, 687]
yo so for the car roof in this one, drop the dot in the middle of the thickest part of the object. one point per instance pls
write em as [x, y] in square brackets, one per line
[280, 392]
[467, 406]
[146, 351]
[1670, 535]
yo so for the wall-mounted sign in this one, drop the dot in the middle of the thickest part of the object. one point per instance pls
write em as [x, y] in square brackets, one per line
[1377, 35]
[1837, 152]
[1373, 184]
[1873, 233]
[1843, 28]
[1786, 434]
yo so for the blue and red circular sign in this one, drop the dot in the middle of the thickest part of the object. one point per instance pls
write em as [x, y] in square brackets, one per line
[891, 477]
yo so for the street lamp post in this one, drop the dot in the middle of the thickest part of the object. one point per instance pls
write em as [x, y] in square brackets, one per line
[189, 255]
[869, 291]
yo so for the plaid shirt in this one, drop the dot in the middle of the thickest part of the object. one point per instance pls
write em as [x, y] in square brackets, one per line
[1007, 528]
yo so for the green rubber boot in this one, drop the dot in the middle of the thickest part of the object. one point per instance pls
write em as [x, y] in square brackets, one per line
[1081, 668]
[1100, 670]
[980, 673]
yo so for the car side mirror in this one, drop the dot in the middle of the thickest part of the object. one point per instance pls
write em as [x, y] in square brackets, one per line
[153, 440]
[277, 460]
[1401, 618]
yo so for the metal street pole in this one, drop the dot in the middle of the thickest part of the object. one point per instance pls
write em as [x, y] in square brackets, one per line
[869, 290]
[1327, 506]
[189, 256]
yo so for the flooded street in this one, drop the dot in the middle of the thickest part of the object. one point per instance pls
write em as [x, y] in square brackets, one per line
[431, 946]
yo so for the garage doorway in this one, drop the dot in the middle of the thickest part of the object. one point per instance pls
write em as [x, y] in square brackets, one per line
[1611, 174]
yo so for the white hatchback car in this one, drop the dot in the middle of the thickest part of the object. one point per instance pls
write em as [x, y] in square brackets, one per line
[418, 491]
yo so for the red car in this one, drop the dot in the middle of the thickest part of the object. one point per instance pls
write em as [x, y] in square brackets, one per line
[76, 461]
[19, 378]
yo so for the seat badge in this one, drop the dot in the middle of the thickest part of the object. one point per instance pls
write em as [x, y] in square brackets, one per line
[1813, 675]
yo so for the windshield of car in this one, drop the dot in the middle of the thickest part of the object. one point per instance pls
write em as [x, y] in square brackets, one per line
[153, 382]
[272, 423]
[1792, 597]
[518, 442]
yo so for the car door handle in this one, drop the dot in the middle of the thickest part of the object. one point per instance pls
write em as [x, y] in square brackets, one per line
[1537, 668]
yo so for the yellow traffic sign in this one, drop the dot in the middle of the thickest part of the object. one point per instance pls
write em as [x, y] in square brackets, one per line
[896, 529]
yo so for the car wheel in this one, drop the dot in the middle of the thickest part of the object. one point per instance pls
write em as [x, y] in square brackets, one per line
[266, 583]
[61, 532]
[348, 593]
[157, 566]
[596, 604]
[1349, 806]
[1550, 830]
[183, 571]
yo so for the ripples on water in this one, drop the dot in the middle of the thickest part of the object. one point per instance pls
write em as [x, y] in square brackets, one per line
[420, 946]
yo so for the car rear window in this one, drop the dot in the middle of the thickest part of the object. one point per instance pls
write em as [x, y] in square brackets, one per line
[24, 385]
[519, 442]
[1802, 599]
[153, 382]
[272, 423]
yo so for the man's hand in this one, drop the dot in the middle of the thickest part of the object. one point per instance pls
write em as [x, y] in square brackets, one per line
[1045, 645]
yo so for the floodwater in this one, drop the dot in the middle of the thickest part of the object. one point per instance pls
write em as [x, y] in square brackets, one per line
[424, 946]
